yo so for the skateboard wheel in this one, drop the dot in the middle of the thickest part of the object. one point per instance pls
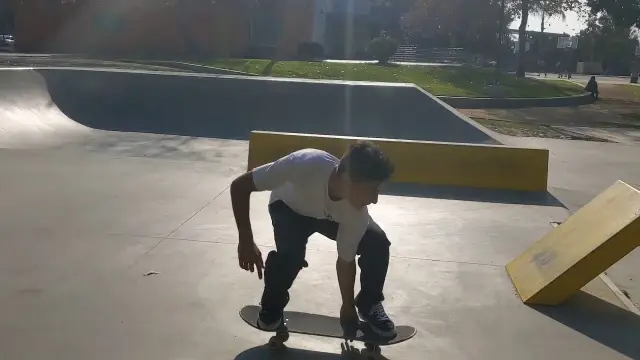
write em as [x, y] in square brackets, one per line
[371, 355]
[276, 343]
[282, 336]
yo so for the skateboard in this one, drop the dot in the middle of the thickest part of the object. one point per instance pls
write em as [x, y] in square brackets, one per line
[326, 326]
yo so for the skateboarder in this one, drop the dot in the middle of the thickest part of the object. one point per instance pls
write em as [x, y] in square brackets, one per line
[313, 191]
[592, 87]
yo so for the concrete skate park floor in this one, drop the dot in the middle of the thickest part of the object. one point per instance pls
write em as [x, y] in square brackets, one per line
[122, 246]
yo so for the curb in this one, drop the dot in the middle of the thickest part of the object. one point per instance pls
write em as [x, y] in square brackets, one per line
[516, 103]
[454, 101]
[192, 67]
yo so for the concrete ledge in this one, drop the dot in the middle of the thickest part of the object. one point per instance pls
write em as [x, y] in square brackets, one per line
[180, 65]
[423, 162]
[516, 103]
[578, 250]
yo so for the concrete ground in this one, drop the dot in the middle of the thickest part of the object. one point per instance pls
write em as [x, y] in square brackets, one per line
[579, 171]
[122, 245]
[83, 225]
[583, 79]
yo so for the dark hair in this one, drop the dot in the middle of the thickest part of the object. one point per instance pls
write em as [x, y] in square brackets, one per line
[364, 162]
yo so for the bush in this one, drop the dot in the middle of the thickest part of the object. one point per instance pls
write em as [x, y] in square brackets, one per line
[382, 48]
[310, 50]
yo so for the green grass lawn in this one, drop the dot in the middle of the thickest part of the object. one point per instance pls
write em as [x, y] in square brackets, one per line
[442, 81]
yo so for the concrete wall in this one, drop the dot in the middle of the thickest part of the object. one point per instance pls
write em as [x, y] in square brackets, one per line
[343, 27]
[322, 7]
[356, 7]
[589, 67]
[425, 163]
[298, 25]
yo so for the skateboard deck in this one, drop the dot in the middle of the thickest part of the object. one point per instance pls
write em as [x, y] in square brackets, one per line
[327, 326]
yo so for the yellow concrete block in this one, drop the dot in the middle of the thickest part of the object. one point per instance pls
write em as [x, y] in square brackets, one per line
[585, 245]
[423, 162]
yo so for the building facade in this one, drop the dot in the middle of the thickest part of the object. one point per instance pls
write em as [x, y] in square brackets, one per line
[221, 28]
[342, 27]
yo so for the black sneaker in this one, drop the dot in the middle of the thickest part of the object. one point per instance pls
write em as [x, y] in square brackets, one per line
[378, 320]
[271, 312]
[269, 320]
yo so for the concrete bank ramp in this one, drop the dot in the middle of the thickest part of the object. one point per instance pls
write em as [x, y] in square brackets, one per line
[28, 114]
[57, 101]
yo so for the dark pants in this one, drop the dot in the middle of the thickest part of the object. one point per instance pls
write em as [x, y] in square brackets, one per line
[292, 232]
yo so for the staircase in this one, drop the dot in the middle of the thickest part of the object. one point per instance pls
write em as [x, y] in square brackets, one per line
[411, 53]
[406, 53]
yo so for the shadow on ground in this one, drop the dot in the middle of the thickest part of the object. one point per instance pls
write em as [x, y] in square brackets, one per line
[472, 194]
[263, 352]
[171, 147]
[608, 324]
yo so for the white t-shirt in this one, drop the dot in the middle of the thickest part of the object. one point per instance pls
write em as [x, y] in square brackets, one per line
[301, 180]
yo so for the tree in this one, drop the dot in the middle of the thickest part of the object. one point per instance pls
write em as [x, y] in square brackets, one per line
[386, 15]
[550, 9]
[6, 17]
[524, 7]
[470, 24]
[382, 48]
[623, 13]
[602, 40]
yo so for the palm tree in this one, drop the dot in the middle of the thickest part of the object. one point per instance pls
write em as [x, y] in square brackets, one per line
[550, 9]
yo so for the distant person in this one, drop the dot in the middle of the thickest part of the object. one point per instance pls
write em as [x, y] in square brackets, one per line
[542, 68]
[592, 87]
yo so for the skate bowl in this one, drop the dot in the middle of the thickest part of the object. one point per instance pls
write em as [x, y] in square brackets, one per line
[225, 106]
[57, 105]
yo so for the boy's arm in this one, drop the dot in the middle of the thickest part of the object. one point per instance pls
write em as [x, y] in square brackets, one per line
[265, 177]
[241, 189]
[249, 255]
[348, 239]
[346, 280]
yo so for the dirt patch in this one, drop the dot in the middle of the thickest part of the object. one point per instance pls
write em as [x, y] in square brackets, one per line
[600, 114]
[618, 109]
[625, 93]
[519, 129]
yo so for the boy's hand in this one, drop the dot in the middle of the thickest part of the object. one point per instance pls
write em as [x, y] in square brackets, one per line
[250, 257]
[349, 318]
